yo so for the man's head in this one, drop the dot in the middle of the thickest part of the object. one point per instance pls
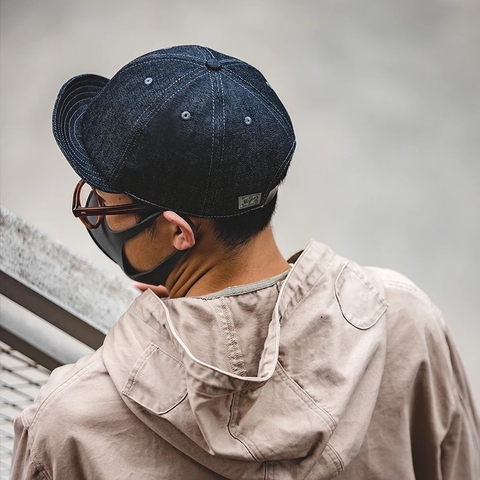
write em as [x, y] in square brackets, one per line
[185, 129]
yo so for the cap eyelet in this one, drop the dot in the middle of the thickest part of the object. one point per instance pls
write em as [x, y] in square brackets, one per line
[148, 81]
[248, 120]
[186, 115]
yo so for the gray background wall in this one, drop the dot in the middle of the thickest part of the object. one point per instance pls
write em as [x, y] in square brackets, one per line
[385, 100]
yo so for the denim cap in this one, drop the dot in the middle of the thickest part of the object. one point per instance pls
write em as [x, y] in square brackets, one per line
[185, 128]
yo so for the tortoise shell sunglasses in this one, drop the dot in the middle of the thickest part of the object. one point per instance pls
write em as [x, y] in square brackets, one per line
[94, 210]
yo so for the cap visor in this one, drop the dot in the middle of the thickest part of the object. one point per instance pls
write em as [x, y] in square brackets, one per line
[72, 102]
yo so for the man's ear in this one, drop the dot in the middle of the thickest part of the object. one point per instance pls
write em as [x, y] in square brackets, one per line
[183, 237]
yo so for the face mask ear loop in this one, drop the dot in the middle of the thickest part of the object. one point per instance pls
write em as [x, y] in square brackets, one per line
[112, 242]
[158, 275]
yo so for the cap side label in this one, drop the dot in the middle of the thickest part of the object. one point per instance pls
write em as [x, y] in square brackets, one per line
[246, 201]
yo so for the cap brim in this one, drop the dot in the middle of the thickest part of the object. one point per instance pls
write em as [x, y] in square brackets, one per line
[72, 102]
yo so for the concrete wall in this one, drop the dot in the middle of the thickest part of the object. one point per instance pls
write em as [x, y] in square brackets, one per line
[384, 96]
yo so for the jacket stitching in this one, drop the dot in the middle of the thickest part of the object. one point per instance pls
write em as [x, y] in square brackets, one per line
[273, 470]
[421, 296]
[230, 427]
[62, 387]
[408, 288]
[142, 320]
[251, 445]
[365, 281]
[301, 393]
[301, 300]
[163, 412]
[41, 469]
[234, 352]
[333, 454]
[340, 281]
[152, 347]
[30, 443]
[127, 390]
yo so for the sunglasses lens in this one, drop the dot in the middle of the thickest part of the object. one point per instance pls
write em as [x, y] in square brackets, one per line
[93, 220]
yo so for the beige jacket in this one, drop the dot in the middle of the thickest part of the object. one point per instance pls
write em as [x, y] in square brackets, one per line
[336, 370]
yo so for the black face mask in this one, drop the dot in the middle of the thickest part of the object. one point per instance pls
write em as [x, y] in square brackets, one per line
[111, 243]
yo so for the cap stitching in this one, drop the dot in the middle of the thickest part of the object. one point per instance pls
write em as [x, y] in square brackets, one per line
[220, 143]
[268, 104]
[281, 167]
[77, 134]
[143, 119]
[151, 60]
[230, 61]
[209, 51]
[82, 155]
[283, 121]
[276, 113]
[222, 151]
[73, 148]
[148, 113]
[70, 93]
[257, 91]
[213, 143]
[211, 197]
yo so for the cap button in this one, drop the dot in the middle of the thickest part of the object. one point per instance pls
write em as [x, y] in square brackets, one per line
[213, 64]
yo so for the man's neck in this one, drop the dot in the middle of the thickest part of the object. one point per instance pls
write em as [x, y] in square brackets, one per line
[207, 270]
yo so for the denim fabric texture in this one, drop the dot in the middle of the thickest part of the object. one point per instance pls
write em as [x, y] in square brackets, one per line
[186, 128]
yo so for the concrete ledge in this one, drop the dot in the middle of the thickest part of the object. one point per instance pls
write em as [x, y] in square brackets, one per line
[55, 283]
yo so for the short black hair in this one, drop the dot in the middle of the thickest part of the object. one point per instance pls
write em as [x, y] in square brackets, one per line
[234, 232]
[237, 231]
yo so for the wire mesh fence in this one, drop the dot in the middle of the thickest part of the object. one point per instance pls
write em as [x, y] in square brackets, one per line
[20, 381]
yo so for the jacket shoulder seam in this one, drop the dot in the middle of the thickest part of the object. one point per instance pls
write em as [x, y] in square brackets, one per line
[395, 280]
[31, 440]
[64, 385]
[41, 469]
[413, 289]
[407, 287]
[428, 305]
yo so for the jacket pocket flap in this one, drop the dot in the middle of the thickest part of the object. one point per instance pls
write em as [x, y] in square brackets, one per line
[359, 301]
[157, 381]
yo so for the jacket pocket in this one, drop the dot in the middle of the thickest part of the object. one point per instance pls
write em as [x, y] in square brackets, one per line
[359, 301]
[157, 381]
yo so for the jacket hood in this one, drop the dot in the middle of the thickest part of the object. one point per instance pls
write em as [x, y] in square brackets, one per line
[283, 373]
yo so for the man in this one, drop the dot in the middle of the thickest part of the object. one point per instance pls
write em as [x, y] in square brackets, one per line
[253, 367]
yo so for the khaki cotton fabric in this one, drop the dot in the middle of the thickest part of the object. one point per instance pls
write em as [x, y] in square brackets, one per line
[336, 371]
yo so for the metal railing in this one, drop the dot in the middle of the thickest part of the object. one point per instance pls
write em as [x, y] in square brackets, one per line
[55, 306]
[20, 380]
